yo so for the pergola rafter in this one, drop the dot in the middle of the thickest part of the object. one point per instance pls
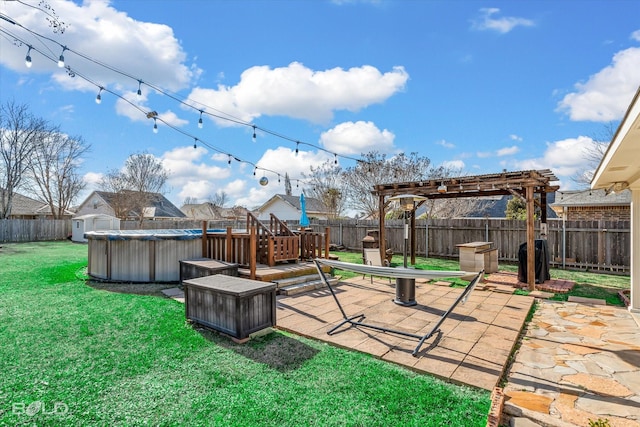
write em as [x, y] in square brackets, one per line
[525, 184]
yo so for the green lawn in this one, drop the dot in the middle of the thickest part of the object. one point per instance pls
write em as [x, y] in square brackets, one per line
[101, 358]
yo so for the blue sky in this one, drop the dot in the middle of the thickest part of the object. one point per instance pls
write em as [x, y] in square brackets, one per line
[482, 86]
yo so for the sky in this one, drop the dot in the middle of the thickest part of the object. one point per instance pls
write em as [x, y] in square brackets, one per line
[481, 86]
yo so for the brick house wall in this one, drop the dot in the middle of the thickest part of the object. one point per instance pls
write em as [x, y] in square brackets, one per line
[599, 213]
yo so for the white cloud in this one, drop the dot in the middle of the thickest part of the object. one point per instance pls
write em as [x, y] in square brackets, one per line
[446, 144]
[565, 157]
[484, 154]
[515, 137]
[299, 92]
[351, 138]
[503, 25]
[605, 95]
[507, 151]
[143, 49]
[190, 174]
[284, 159]
[635, 35]
[453, 164]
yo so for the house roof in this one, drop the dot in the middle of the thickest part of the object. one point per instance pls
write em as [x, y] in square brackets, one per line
[23, 205]
[208, 210]
[311, 204]
[159, 206]
[592, 198]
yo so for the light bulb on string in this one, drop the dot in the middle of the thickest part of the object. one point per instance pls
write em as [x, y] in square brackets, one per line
[278, 178]
[155, 125]
[61, 58]
[254, 171]
[195, 143]
[229, 161]
[297, 143]
[200, 120]
[335, 159]
[139, 89]
[99, 97]
[254, 133]
[27, 59]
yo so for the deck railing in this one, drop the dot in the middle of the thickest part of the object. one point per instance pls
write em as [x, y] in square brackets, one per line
[261, 245]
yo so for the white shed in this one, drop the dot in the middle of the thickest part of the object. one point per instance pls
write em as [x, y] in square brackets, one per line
[92, 222]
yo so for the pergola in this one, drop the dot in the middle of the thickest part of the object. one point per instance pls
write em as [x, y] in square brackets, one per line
[523, 184]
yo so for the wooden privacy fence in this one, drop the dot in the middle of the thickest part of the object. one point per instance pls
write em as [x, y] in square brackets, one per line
[33, 230]
[595, 245]
[590, 245]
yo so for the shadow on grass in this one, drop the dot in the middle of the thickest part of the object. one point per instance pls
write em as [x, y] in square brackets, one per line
[276, 350]
[151, 289]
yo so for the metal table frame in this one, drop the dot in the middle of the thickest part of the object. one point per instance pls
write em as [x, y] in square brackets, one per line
[357, 319]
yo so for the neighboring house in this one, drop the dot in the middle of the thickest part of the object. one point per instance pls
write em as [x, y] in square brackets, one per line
[496, 207]
[208, 211]
[157, 207]
[287, 208]
[23, 207]
[593, 205]
[92, 222]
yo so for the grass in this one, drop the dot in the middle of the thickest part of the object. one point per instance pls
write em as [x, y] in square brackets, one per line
[588, 285]
[92, 356]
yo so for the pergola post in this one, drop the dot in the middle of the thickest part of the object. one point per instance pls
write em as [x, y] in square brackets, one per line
[383, 240]
[412, 227]
[531, 249]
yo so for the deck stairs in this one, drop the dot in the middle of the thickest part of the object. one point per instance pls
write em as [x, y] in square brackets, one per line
[296, 285]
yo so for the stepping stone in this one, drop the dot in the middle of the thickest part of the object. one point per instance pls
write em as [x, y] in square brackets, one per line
[541, 294]
[583, 300]
[173, 292]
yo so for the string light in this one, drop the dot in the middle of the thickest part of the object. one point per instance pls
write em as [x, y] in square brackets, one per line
[61, 59]
[229, 161]
[195, 143]
[224, 116]
[254, 171]
[335, 159]
[27, 59]
[200, 121]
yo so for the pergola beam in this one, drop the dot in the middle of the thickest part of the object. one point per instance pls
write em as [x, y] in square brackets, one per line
[522, 183]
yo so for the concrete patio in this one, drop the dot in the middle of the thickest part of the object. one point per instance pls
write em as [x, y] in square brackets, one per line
[473, 347]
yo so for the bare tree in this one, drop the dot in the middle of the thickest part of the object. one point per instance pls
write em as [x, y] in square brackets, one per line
[19, 133]
[219, 199]
[375, 168]
[135, 186]
[287, 184]
[594, 154]
[54, 170]
[190, 201]
[325, 183]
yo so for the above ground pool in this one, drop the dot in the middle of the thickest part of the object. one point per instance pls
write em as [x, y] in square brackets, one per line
[141, 255]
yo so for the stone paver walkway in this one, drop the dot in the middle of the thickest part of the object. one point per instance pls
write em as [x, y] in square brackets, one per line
[577, 363]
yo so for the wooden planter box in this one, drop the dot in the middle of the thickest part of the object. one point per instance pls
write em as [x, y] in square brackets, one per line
[202, 267]
[232, 305]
